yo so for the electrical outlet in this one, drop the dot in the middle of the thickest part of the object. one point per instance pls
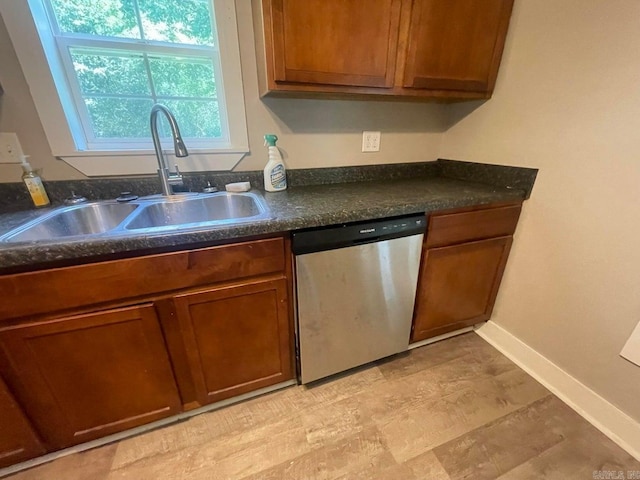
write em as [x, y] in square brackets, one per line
[10, 149]
[370, 141]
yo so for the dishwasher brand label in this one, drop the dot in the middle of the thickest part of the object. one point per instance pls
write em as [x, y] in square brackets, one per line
[368, 230]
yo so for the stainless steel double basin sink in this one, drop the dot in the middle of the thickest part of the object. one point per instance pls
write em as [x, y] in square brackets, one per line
[149, 215]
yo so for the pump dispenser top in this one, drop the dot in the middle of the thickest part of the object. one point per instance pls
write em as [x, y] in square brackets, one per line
[275, 176]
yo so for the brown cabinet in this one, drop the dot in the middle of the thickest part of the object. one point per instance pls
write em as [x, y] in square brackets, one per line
[90, 350]
[403, 48]
[236, 337]
[456, 45]
[86, 376]
[333, 42]
[463, 259]
[18, 441]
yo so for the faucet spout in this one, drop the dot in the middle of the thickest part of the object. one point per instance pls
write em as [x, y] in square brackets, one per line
[167, 178]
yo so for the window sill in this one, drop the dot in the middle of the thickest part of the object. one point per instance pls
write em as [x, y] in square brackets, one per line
[104, 164]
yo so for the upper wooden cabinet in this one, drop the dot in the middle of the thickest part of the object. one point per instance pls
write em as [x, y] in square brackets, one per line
[334, 42]
[456, 44]
[403, 48]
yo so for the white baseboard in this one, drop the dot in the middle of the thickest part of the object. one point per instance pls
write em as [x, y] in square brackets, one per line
[607, 418]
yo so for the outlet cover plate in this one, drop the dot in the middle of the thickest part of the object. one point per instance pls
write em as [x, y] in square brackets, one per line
[370, 141]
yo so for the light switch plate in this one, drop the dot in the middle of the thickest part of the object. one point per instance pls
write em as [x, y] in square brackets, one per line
[10, 149]
[370, 141]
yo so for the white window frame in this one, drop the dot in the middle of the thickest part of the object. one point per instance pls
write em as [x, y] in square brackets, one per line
[34, 44]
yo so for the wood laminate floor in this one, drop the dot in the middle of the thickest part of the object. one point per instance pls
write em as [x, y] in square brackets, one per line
[451, 410]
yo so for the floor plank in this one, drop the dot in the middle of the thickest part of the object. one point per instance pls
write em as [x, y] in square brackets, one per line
[509, 441]
[93, 464]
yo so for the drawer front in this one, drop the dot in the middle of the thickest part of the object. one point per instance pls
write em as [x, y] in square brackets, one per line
[66, 288]
[453, 228]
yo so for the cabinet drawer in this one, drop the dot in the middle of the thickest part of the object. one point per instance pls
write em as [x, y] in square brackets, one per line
[93, 284]
[452, 228]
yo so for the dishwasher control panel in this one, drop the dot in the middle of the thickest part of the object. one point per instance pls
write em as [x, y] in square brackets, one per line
[343, 235]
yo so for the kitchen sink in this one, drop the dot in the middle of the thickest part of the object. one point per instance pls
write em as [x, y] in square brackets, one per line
[154, 214]
[87, 219]
[220, 208]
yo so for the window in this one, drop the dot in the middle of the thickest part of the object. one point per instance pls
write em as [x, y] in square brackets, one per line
[109, 61]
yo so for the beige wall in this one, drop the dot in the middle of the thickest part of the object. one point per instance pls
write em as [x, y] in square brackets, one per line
[568, 103]
[313, 133]
[18, 114]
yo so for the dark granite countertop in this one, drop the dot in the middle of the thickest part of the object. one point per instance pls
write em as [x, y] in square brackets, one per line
[295, 208]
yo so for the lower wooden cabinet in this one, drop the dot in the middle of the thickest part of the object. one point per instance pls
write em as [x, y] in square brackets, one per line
[458, 286]
[147, 338]
[236, 338]
[86, 376]
[18, 441]
[463, 259]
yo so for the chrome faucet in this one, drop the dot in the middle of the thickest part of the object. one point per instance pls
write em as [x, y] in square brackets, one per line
[167, 178]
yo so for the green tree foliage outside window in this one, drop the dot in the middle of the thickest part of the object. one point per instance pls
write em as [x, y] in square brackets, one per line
[120, 80]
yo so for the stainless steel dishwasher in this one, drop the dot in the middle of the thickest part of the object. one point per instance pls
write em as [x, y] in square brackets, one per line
[355, 290]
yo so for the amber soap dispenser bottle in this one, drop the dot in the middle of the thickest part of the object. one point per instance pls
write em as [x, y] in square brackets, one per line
[34, 184]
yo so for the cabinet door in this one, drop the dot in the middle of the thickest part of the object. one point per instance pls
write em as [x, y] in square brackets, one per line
[333, 42]
[18, 441]
[456, 44]
[87, 376]
[458, 286]
[237, 338]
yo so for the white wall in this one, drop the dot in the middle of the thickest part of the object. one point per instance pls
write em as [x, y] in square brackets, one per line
[568, 102]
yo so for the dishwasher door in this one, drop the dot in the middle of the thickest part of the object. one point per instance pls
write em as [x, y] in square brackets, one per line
[355, 304]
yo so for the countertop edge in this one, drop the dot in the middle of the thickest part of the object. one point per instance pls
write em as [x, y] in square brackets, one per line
[294, 209]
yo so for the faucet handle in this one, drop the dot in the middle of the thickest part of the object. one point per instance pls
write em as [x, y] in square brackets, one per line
[75, 199]
[174, 178]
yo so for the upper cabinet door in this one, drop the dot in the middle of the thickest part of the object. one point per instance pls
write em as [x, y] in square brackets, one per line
[456, 44]
[333, 42]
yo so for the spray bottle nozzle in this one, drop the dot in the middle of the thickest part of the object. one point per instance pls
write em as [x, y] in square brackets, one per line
[270, 140]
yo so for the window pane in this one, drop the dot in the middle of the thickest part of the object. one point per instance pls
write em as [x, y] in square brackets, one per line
[182, 77]
[110, 73]
[110, 18]
[177, 21]
[196, 118]
[119, 117]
